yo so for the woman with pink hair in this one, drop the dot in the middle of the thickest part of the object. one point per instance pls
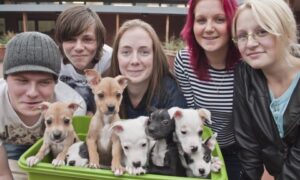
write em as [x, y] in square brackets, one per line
[205, 69]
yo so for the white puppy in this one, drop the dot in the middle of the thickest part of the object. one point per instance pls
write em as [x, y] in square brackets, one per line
[189, 127]
[78, 155]
[135, 143]
[201, 163]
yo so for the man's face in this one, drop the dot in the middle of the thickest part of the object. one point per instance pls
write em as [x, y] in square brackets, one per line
[26, 90]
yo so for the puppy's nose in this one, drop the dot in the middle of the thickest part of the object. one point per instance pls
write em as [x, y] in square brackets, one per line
[201, 171]
[111, 108]
[72, 163]
[150, 129]
[194, 149]
[136, 164]
[57, 135]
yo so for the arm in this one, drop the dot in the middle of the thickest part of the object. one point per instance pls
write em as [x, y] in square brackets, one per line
[5, 173]
[249, 154]
[183, 80]
[291, 166]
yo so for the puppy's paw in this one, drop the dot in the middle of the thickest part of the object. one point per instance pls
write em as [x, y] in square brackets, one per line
[94, 165]
[135, 171]
[58, 162]
[216, 164]
[32, 160]
[118, 170]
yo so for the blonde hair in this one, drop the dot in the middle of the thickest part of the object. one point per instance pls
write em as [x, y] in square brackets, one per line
[276, 17]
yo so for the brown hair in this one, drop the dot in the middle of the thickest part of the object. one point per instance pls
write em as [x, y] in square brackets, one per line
[74, 21]
[160, 63]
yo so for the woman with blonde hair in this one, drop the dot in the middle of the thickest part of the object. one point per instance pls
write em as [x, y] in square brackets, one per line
[138, 54]
[267, 90]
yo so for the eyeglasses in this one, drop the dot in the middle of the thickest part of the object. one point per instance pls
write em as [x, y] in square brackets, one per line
[242, 38]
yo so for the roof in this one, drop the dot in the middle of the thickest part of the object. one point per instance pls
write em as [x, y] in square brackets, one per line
[97, 8]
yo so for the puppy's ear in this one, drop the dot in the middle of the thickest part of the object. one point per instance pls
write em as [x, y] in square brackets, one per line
[205, 115]
[144, 120]
[211, 141]
[73, 107]
[44, 106]
[152, 109]
[93, 77]
[123, 81]
[175, 112]
[117, 128]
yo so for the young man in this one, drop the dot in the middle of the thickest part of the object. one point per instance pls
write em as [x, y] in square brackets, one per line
[80, 35]
[31, 67]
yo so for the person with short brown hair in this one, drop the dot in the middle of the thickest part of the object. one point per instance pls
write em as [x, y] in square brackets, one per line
[80, 36]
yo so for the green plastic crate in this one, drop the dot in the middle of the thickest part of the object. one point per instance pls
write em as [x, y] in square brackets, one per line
[44, 170]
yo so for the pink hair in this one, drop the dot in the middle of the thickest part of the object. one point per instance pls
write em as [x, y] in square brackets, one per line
[198, 59]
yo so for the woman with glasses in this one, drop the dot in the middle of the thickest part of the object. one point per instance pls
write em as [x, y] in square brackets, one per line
[205, 70]
[267, 90]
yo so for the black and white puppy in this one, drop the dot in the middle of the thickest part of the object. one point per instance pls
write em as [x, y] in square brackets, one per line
[201, 163]
[164, 156]
[77, 155]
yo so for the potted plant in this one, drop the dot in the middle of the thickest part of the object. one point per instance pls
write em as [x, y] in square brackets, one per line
[3, 40]
[171, 47]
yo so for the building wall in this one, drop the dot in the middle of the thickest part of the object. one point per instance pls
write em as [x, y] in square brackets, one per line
[14, 20]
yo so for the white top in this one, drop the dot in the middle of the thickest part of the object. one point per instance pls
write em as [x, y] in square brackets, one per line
[78, 82]
[14, 131]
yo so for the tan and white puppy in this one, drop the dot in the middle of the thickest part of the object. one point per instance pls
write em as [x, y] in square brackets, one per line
[59, 133]
[104, 147]
[189, 127]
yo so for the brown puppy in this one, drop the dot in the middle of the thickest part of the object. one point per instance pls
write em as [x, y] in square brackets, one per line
[59, 134]
[104, 147]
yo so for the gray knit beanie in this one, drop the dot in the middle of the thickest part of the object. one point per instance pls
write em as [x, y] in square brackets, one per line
[31, 51]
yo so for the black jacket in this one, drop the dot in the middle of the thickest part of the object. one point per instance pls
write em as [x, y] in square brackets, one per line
[256, 131]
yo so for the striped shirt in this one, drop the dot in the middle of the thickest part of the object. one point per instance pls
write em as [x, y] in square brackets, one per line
[215, 95]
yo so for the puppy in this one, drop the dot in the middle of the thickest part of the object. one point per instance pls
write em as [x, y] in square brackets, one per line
[77, 155]
[189, 127]
[59, 133]
[202, 163]
[103, 147]
[135, 143]
[164, 156]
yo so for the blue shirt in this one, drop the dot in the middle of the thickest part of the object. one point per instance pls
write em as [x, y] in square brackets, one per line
[278, 105]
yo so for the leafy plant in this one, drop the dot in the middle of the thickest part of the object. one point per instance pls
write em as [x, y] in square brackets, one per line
[174, 44]
[6, 37]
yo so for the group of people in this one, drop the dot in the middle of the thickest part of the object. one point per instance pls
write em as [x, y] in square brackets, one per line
[240, 62]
